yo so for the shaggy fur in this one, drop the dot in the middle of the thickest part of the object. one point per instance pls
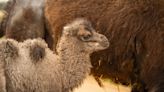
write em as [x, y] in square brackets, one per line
[134, 28]
[26, 20]
[55, 73]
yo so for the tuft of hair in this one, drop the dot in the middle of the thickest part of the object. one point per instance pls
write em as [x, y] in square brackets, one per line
[36, 49]
[71, 28]
[37, 53]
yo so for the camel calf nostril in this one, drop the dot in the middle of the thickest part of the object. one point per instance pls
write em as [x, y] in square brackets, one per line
[101, 36]
[105, 44]
[104, 41]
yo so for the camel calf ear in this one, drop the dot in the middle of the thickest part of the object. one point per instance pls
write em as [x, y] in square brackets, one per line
[37, 53]
[8, 49]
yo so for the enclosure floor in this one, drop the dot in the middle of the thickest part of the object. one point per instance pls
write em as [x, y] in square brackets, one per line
[90, 85]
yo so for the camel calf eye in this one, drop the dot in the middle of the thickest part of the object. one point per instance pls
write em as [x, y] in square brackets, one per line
[86, 37]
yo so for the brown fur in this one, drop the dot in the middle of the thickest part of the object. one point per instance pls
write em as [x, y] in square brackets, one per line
[134, 27]
[26, 20]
